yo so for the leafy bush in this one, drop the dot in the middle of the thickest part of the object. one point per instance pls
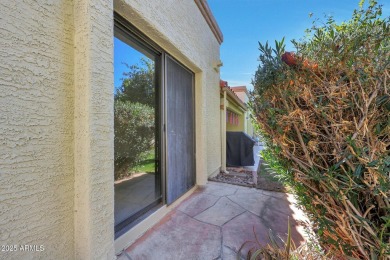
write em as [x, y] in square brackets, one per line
[138, 83]
[326, 121]
[134, 125]
[134, 116]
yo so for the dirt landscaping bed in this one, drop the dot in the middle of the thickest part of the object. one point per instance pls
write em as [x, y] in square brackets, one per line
[236, 176]
[264, 178]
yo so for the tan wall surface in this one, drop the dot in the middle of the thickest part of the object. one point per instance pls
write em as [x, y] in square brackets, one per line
[56, 125]
[94, 130]
[36, 128]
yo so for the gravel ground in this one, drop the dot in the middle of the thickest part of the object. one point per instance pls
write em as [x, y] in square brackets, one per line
[263, 179]
[237, 176]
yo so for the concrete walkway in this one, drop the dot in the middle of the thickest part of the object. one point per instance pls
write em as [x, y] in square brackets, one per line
[215, 221]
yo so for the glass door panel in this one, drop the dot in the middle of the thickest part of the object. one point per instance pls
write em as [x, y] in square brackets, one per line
[136, 127]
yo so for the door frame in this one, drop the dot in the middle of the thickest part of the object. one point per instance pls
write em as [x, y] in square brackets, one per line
[142, 43]
[141, 39]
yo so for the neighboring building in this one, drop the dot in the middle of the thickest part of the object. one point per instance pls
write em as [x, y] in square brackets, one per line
[234, 102]
[235, 115]
[243, 94]
[57, 119]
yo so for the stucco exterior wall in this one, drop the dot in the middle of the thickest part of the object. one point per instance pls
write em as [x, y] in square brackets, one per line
[232, 106]
[36, 128]
[213, 130]
[181, 30]
[93, 130]
[56, 129]
[56, 116]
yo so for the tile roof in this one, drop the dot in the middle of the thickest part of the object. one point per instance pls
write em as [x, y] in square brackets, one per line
[224, 85]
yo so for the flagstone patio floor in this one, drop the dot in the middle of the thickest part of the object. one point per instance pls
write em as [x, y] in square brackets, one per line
[215, 221]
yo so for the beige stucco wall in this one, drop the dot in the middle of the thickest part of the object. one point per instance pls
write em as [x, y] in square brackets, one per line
[56, 116]
[181, 30]
[56, 129]
[36, 127]
[93, 130]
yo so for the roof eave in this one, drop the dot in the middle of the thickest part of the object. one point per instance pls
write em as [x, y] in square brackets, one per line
[209, 17]
[233, 95]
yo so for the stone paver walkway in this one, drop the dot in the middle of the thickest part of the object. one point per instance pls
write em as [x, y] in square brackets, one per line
[215, 221]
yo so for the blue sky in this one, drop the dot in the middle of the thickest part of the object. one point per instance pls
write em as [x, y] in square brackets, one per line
[244, 23]
[123, 53]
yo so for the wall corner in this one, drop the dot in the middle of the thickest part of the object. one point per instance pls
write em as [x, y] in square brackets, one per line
[93, 130]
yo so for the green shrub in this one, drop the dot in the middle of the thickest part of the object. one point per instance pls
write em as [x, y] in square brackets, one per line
[326, 121]
[134, 125]
[138, 83]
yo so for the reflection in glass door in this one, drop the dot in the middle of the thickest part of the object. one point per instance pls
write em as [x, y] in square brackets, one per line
[136, 127]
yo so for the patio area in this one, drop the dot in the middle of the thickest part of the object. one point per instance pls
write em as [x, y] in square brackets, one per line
[215, 221]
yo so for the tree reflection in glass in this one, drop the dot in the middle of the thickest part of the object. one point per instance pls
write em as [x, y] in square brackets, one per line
[134, 120]
[135, 153]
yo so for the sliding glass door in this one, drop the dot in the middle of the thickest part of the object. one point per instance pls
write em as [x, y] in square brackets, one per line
[136, 126]
[154, 125]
